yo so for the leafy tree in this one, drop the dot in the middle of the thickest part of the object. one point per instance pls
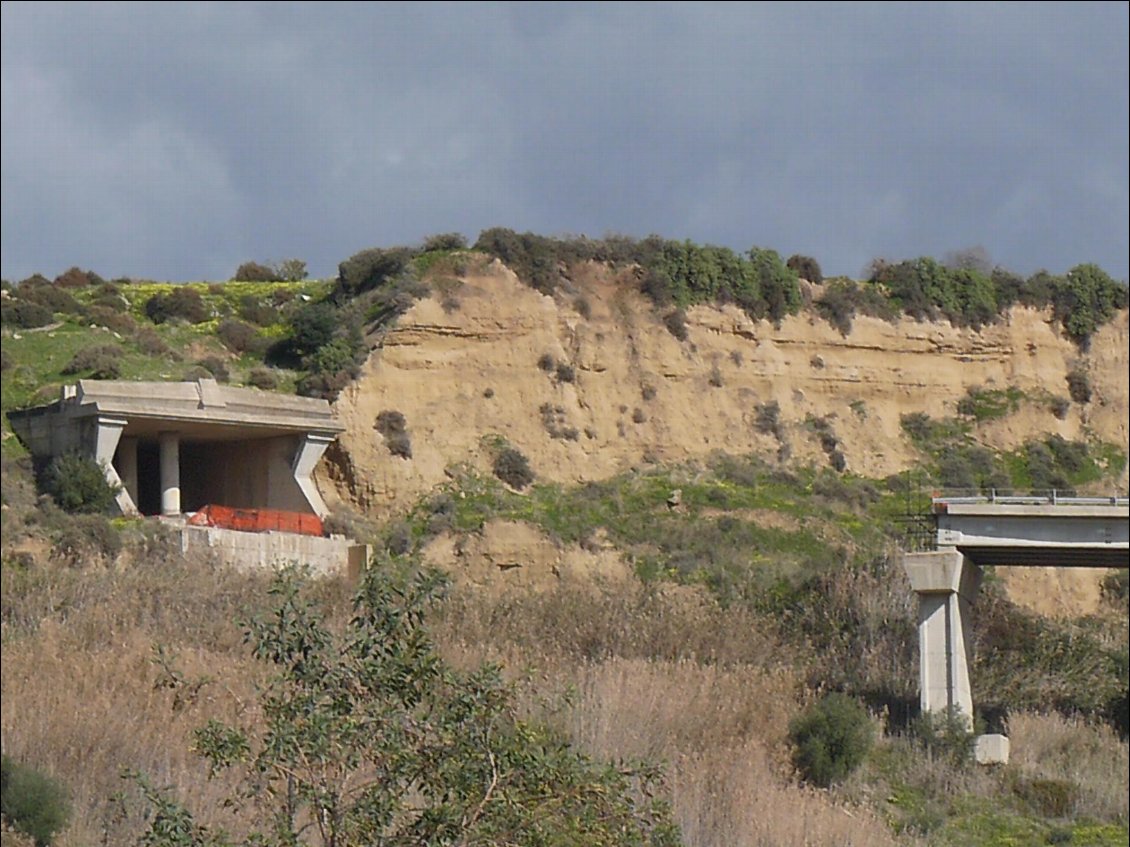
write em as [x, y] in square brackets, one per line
[1085, 299]
[291, 270]
[780, 294]
[367, 737]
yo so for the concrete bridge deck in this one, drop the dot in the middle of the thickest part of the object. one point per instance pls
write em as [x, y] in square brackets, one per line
[1036, 531]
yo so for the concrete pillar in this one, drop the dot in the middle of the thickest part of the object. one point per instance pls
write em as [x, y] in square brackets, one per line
[946, 583]
[310, 450]
[107, 435]
[125, 461]
[170, 473]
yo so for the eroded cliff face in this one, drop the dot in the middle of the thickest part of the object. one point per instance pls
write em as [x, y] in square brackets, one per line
[589, 383]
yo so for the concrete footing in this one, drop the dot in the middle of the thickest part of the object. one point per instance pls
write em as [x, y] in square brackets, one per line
[991, 749]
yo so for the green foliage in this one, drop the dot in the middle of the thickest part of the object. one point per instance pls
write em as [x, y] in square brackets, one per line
[926, 290]
[830, 739]
[32, 802]
[313, 326]
[23, 314]
[77, 483]
[984, 404]
[946, 735]
[182, 303]
[371, 269]
[367, 736]
[237, 336]
[1087, 298]
[445, 241]
[841, 299]
[54, 298]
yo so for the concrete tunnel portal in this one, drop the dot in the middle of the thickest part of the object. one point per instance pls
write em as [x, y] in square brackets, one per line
[173, 448]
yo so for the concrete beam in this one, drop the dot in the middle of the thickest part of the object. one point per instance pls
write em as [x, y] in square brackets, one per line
[946, 583]
[310, 450]
[107, 435]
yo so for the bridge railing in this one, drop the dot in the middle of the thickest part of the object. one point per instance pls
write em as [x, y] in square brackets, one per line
[1052, 497]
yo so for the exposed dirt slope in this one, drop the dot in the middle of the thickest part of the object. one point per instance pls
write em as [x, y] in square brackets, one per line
[622, 390]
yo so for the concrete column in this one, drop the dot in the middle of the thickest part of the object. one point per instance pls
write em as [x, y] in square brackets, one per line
[170, 473]
[107, 435]
[125, 461]
[946, 583]
[310, 450]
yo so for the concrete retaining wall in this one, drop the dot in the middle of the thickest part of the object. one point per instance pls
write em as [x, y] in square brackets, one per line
[324, 556]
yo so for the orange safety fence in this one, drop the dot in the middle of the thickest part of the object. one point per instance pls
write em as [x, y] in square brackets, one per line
[257, 520]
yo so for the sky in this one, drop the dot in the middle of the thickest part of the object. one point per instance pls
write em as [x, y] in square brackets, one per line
[175, 141]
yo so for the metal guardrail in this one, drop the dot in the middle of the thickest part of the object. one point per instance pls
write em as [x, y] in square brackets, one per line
[1051, 498]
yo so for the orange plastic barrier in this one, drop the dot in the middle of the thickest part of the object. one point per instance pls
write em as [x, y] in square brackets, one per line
[257, 520]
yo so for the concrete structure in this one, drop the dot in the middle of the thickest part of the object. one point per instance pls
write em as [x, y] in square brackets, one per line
[323, 556]
[974, 532]
[173, 447]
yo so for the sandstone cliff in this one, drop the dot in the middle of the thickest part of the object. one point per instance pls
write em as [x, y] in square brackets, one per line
[590, 382]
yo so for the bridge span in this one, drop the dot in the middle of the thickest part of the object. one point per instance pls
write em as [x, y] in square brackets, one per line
[973, 532]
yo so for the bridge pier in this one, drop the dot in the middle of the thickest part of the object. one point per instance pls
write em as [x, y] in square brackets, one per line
[946, 583]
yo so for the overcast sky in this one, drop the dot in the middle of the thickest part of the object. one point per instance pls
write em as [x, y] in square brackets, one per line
[176, 141]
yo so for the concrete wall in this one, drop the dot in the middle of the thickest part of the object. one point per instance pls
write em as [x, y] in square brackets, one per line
[324, 556]
[242, 474]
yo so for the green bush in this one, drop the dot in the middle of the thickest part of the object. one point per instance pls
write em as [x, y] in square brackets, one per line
[34, 803]
[946, 735]
[254, 310]
[24, 314]
[255, 272]
[264, 378]
[1079, 384]
[676, 323]
[393, 427]
[371, 269]
[237, 336]
[445, 241]
[54, 298]
[830, 739]
[1085, 299]
[77, 278]
[513, 468]
[102, 361]
[182, 303]
[77, 483]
